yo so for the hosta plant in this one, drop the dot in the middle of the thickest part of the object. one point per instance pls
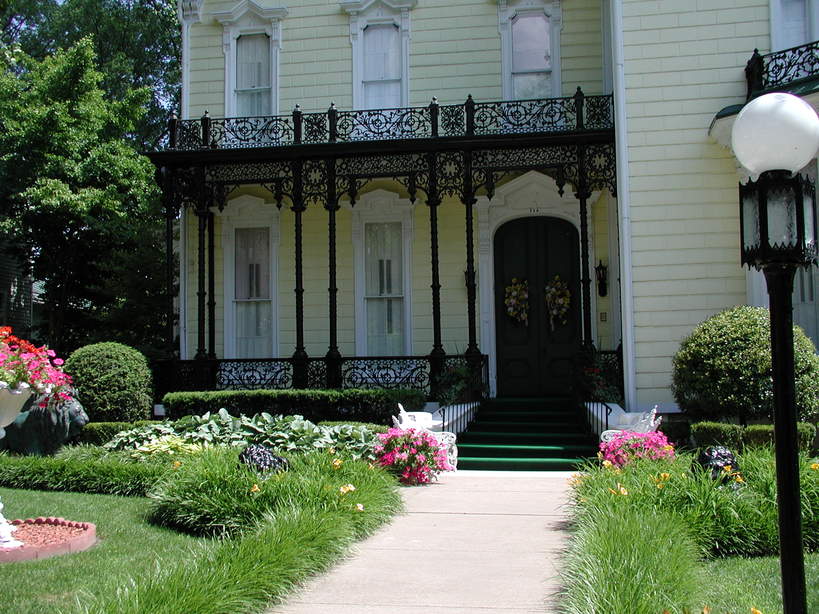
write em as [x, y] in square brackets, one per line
[280, 433]
[416, 456]
[628, 446]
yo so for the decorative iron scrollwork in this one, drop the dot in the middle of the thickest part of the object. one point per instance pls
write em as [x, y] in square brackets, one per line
[316, 373]
[247, 132]
[525, 116]
[254, 374]
[410, 372]
[790, 65]
[384, 124]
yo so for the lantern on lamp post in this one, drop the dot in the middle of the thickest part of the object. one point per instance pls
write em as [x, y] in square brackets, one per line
[774, 136]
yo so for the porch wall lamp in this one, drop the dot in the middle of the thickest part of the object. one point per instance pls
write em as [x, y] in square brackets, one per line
[774, 136]
[601, 273]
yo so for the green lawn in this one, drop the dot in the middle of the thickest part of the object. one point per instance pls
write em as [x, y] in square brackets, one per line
[737, 584]
[129, 547]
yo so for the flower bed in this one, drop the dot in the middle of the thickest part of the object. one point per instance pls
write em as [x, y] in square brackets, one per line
[617, 553]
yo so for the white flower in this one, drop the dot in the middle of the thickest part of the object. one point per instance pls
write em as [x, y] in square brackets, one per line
[3, 385]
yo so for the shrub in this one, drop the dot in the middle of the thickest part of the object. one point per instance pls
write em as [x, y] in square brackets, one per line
[723, 368]
[678, 431]
[717, 434]
[93, 473]
[628, 446]
[99, 433]
[283, 433]
[415, 456]
[614, 564]
[113, 380]
[377, 406]
[211, 493]
[756, 435]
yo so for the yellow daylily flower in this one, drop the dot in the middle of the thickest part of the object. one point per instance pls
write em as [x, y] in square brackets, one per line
[359, 507]
[337, 463]
[255, 488]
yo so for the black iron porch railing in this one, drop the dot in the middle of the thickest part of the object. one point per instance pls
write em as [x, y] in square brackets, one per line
[781, 69]
[550, 115]
[385, 372]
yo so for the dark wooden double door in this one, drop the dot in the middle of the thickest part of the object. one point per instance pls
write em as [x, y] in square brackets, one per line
[536, 359]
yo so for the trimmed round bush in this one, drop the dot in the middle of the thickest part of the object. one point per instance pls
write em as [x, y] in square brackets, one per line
[113, 380]
[723, 368]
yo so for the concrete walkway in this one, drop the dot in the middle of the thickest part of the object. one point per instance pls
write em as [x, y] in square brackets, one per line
[475, 542]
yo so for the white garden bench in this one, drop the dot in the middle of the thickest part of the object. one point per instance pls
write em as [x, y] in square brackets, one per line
[423, 421]
[645, 423]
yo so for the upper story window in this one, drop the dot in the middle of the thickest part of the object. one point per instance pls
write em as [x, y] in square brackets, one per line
[793, 23]
[380, 34]
[253, 75]
[251, 41]
[531, 56]
[381, 78]
[530, 48]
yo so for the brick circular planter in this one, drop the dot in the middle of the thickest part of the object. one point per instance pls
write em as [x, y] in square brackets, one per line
[55, 536]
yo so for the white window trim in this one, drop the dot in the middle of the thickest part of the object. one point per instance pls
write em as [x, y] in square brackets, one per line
[249, 18]
[365, 13]
[374, 207]
[189, 12]
[507, 11]
[776, 23]
[248, 212]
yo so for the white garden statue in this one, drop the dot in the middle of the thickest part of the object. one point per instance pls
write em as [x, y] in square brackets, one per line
[422, 420]
[6, 538]
[646, 423]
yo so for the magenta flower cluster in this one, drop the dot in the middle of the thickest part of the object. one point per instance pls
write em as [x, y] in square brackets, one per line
[415, 455]
[23, 366]
[627, 446]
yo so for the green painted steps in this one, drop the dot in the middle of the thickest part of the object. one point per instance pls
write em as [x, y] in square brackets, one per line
[570, 450]
[519, 464]
[501, 437]
[526, 427]
[543, 434]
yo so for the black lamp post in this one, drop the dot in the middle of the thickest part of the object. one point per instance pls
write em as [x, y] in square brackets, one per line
[775, 136]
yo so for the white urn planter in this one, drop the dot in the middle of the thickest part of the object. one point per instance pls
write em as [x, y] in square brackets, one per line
[11, 402]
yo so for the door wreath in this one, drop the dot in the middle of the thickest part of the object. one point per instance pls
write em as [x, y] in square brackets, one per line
[558, 300]
[516, 299]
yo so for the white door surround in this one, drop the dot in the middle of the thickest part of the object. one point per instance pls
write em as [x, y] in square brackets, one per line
[248, 211]
[530, 195]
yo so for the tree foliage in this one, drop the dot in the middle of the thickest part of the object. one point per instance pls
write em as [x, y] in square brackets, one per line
[136, 42]
[78, 200]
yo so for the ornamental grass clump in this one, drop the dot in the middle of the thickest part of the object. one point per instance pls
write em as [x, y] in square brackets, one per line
[628, 446]
[735, 515]
[414, 455]
[212, 493]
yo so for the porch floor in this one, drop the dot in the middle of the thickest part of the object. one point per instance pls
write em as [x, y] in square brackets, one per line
[475, 541]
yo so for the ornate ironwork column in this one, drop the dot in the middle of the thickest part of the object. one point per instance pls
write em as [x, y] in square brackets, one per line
[582, 195]
[333, 355]
[202, 215]
[299, 355]
[211, 287]
[437, 355]
[469, 200]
